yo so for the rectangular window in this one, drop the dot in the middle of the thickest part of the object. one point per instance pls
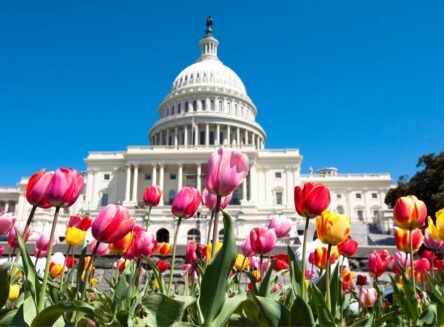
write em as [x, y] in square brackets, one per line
[147, 177]
[376, 213]
[104, 201]
[360, 214]
[278, 174]
[358, 195]
[173, 176]
[106, 177]
[374, 195]
[278, 197]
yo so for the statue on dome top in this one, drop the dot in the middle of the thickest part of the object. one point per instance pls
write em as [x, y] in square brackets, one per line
[209, 25]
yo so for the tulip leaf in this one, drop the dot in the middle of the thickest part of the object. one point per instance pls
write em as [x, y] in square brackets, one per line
[366, 322]
[214, 283]
[157, 275]
[272, 313]
[162, 310]
[230, 305]
[80, 268]
[6, 316]
[295, 272]
[25, 314]
[435, 289]
[335, 287]
[301, 314]
[4, 287]
[428, 317]
[324, 316]
[265, 285]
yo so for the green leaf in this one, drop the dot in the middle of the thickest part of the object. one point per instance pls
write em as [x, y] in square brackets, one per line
[295, 272]
[4, 287]
[273, 313]
[265, 285]
[335, 287]
[6, 316]
[301, 314]
[162, 310]
[80, 265]
[230, 305]
[187, 300]
[367, 322]
[324, 316]
[26, 313]
[436, 290]
[214, 283]
[428, 317]
[157, 275]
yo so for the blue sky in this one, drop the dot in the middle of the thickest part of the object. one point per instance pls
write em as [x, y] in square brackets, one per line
[352, 84]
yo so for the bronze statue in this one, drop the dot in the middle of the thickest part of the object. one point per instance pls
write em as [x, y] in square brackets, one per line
[209, 25]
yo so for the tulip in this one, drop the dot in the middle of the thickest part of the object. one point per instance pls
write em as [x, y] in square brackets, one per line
[210, 200]
[367, 297]
[311, 200]
[81, 223]
[262, 240]
[122, 264]
[281, 261]
[378, 262]
[186, 202]
[309, 274]
[347, 276]
[311, 258]
[165, 249]
[320, 257]
[36, 189]
[131, 252]
[246, 248]
[74, 236]
[190, 253]
[64, 187]
[210, 250]
[421, 266]
[2, 250]
[281, 225]
[226, 170]
[402, 239]
[145, 244]
[102, 249]
[361, 280]
[257, 275]
[14, 292]
[254, 262]
[12, 237]
[41, 246]
[122, 245]
[437, 231]
[71, 261]
[56, 270]
[152, 196]
[6, 222]
[409, 212]
[112, 223]
[332, 228]
[348, 247]
[430, 242]
[241, 262]
[163, 266]
[429, 255]
[400, 260]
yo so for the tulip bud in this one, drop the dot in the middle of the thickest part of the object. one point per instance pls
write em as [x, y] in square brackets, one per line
[163, 266]
[12, 237]
[145, 244]
[320, 256]
[186, 202]
[41, 246]
[402, 239]
[190, 252]
[152, 196]
[409, 212]
[71, 261]
[262, 240]
[36, 189]
[6, 222]
[209, 250]
[102, 250]
[165, 249]
[14, 292]
[210, 200]
[378, 262]
[311, 200]
[361, 280]
[347, 276]
[281, 262]
[332, 228]
[241, 262]
[112, 223]
[281, 225]
[348, 247]
[55, 270]
[74, 236]
[64, 187]
[367, 297]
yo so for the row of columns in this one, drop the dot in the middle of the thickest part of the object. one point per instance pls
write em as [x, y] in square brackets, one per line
[256, 140]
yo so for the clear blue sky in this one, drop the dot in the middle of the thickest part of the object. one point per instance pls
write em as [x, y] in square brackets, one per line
[354, 84]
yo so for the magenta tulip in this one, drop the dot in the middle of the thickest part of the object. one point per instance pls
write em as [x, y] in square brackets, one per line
[262, 240]
[186, 202]
[12, 236]
[311, 200]
[2, 250]
[281, 225]
[152, 196]
[112, 223]
[210, 200]
[6, 222]
[65, 187]
[41, 245]
[102, 250]
[145, 244]
[36, 189]
[190, 253]
[246, 248]
[226, 170]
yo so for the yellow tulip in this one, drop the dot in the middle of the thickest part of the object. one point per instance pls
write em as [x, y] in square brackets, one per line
[256, 274]
[307, 283]
[437, 231]
[241, 262]
[14, 291]
[55, 270]
[332, 228]
[94, 281]
[209, 250]
[74, 236]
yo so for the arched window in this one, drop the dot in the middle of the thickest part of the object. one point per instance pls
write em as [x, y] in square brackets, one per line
[163, 235]
[171, 196]
[221, 235]
[340, 210]
[193, 235]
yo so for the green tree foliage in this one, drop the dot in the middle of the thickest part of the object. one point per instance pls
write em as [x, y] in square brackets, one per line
[427, 184]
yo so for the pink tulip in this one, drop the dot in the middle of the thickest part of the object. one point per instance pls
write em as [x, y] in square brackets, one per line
[281, 225]
[112, 223]
[6, 222]
[36, 189]
[262, 240]
[145, 244]
[254, 262]
[131, 252]
[186, 202]
[422, 265]
[41, 245]
[311, 200]
[210, 200]
[367, 297]
[378, 262]
[152, 196]
[246, 248]
[400, 259]
[430, 242]
[2, 250]
[12, 237]
[190, 253]
[65, 187]
[102, 250]
[226, 170]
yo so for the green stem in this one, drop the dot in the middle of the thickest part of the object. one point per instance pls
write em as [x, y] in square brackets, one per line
[411, 261]
[41, 304]
[215, 227]
[170, 282]
[210, 224]
[327, 278]
[64, 266]
[241, 271]
[88, 268]
[72, 267]
[304, 255]
[147, 222]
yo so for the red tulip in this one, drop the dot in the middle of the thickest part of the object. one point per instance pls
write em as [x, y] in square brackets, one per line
[36, 189]
[429, 255]
[409, 212]
[378, 262]
[145, 244]
[81, 223]
[311, 200]
[186, 202]
[112, 224]
[210, 200]
[2, 250]
[163, 266]
[422, 265]
[71, 261]
[6, 222]
[402, 239]
[262, 240]
[361, 280]
[281, 225]
[65, 187]
[348, 247]
[281, 260]
[226, 170]
[190, 252]
[152, 196]
[165, 249]
[12, 237]
[102, 250]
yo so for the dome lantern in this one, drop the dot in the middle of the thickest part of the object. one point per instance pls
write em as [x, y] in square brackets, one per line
[208, 44]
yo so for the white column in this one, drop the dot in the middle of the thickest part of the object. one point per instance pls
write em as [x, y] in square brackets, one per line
[196, 135]
[175, 136]
[217, 138]
[167, 137]
[185, 135]
[179, 176]
[6, 206]
[154, 175]
[135, 179]
[246, 137]
[238, 142]
[253, 140]
[128, 183]
[228, 135]
[253, 181]
[244, 191]
[199, 173]
[161, 173]
[207, 134]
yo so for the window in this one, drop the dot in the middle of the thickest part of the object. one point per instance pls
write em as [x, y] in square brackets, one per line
[147, 177]
[340, 210]
[339, 196]
[278, 174]
[104, 200]
[106, 177]
[360, 214]
[374, 195]
[358, 195]
[278, 197]
[193, 235]
[179, 108]
[235, 199]
[171, 197]
[375, 213]
[202, 138]
[173, 176]
[163, 235]
[194, 105]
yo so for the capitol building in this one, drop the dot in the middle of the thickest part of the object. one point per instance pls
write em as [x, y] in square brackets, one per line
[207, 107]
